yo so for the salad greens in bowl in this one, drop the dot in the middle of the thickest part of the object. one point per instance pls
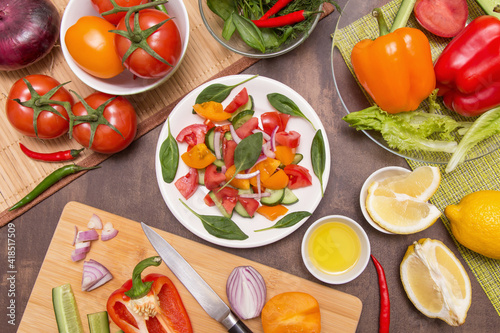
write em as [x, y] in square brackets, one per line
[261, 29]
[432, 133]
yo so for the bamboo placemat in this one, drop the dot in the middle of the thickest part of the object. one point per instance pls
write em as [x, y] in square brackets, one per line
[205, 60]
[472, 176]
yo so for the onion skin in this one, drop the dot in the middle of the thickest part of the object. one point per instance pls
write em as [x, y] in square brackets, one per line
[30, 28]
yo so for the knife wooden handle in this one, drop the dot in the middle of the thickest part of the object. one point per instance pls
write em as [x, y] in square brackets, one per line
[239, 327]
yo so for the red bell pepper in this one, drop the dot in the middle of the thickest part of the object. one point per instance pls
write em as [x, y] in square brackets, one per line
[468, 69]
[151, 304]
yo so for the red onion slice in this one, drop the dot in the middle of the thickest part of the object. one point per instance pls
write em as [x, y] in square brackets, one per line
[94, 275]
[108, 232]
[264, 134]
[266, 149]
[254, 195]
[95, 222]
[246, 292]
[235, 136]
[273, 138]
[77, 257]
[217, 139]
[82, 247]
[88, 235]
[247, 175]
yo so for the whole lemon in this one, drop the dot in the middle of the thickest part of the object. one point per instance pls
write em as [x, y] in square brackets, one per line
[475, 222]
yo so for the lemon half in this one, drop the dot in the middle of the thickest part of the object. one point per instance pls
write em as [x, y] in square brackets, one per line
[436, 282]
[399, 204]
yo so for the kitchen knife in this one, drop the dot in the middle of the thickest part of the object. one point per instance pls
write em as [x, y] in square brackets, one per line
[194, 283]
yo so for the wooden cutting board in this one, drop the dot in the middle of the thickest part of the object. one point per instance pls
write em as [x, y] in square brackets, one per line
[340, 312]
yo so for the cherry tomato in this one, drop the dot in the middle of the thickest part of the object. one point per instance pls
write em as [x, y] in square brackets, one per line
[165, 41]
[49, 124]
[290, 139]
[298, 175]
[120, 113]
[102, 6]
[92, 47]
[188, 184]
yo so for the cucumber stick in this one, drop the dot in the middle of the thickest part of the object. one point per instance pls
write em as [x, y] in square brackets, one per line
[491, 7]
[65, 309]
[98, 322]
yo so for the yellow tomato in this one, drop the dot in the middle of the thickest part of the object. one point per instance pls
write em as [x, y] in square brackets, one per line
[92, 47]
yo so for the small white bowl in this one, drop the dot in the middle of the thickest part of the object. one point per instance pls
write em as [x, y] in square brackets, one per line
[378, 175]
[353, 272]
[124, 83]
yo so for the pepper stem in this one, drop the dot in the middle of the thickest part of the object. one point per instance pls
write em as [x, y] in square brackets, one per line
[139, 288]
[382, 24]
[403, 14]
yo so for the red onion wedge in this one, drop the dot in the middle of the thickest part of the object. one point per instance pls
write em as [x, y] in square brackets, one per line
[108, 232]
[246, 292]
[95, 222]
[94, 275]
[88, 235]
[77, 256]
[82, 247]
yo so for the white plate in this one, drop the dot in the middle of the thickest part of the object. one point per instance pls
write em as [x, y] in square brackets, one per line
[309, 197]
[125, 83]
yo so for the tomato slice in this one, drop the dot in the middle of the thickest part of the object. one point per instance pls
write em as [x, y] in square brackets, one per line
[228, 197]
[247, 128]
[188, 184]
[240, 99]
[272, 119]
[213, 179]
[193, 134]
[298, 175]
[208, 201]
[249, 204]
[290, 139]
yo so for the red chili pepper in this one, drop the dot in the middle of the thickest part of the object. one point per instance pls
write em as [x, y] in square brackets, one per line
[385, 304]
[150, 304]
[468, 69]
[274, 9]
[65, 155]
[288, 19]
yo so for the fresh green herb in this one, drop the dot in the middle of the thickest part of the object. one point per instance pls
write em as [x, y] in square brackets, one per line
[285, 105]
[408, 130]
[246, 154]
[229, 28]
[485, 126]
[318, 157]
[219, 226]
[169, 157]
[218, 92]
[249, 32]
[288, 220]
[222, 8]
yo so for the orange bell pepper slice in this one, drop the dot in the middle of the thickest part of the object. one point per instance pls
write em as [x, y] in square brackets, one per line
[211, 110]
[277, 181]
[266, 167]
[272, 212]
[243, 184]
[198, 157]
[284, 154]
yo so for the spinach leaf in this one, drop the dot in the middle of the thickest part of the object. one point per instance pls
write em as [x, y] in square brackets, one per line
[222, 8]
[271, 40]
[218, 92]
[228, 29]
[288, 220]
[249, 32]
[318, 157]
[219, 226]
[169, 157]
[285, 105]
[246, 154]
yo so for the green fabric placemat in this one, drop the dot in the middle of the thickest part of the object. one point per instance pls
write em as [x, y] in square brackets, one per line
[478, 174]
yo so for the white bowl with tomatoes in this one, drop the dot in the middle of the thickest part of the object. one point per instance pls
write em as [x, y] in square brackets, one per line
[94, 54]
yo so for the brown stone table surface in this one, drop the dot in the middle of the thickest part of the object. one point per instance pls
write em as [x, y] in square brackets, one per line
[126, 185]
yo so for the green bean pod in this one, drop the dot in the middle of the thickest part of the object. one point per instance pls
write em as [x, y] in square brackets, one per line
[50, 180]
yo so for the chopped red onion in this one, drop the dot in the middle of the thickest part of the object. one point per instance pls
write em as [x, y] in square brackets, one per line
[108, 232]
[77, 257]
[266, 149]
[246, 292]
[254, 195]
[223, 169]
[82, 247]
[94, 275]
[217, 138]
[88, 235]
[235, 136]
[95, 222]
[247, 175]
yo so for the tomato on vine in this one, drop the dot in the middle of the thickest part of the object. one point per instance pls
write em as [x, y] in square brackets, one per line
[37, 107]
[149, 43]
[104, 123]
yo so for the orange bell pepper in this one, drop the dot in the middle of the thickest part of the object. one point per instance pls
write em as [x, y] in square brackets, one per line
[277, 181]
[211, 110]
[266, 167]
[272, 212]
[198, 157]
[284, 154]
[395, 69]
[243, 184]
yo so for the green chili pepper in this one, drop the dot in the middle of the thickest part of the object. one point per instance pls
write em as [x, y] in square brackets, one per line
[50, 180]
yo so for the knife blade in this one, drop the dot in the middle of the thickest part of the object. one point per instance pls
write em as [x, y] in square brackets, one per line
[213, 305]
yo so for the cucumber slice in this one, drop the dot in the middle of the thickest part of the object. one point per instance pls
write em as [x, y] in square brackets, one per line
[219, 163]
[241, 118]
[98, 322]
[209, 139]
[228, 136]
[247, 106]
[241, 210]
[65, 309]
[289, 197]
[218, 203]
[274, 199]
[297, 158]
[201, 176]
